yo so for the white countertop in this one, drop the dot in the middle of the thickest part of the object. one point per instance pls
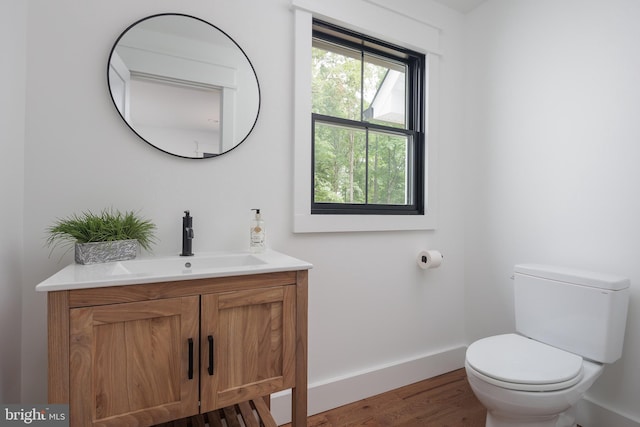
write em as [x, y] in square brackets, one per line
[170, 268]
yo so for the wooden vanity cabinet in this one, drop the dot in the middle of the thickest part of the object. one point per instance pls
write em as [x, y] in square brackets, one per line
[249, 345]
[140, 355]
[129, 362]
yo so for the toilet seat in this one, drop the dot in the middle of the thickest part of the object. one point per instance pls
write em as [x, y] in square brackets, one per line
[518, 363]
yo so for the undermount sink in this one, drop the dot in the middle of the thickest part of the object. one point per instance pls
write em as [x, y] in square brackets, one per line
[170, 268]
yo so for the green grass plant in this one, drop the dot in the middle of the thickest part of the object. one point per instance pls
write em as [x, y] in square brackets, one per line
[108, 226]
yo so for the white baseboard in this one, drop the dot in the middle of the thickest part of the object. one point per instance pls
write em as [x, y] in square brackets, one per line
[592, 414]
[335, 392]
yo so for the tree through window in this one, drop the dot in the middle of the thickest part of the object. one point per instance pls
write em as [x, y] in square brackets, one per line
[367, 124]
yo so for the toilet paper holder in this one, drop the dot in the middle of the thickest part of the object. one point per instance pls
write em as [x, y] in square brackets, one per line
[429, 259]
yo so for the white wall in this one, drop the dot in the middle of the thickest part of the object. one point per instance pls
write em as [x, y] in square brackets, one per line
[13, 20]
[552, 153]
[370, 305]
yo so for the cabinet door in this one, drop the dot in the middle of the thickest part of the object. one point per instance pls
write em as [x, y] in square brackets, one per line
[248, 345]
[131, 363]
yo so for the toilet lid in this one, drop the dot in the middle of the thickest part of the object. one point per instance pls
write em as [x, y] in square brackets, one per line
[520, 363]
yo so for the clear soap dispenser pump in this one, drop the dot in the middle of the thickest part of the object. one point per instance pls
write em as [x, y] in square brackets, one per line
[257, 233]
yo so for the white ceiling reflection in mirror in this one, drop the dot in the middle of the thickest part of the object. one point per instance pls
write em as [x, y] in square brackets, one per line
[462, 6]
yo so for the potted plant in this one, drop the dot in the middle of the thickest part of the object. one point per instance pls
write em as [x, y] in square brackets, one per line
[108, 236]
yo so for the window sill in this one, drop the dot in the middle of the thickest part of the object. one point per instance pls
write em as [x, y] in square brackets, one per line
[307, 223]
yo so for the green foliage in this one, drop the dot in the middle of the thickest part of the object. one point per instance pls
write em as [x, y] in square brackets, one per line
[336, 85]
[340, 164]
[108, 226]
[353, 164]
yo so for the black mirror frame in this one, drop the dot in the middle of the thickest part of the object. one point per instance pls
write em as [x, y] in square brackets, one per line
[115, 44]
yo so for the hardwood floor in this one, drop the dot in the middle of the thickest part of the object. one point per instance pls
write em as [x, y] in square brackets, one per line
[446, 400]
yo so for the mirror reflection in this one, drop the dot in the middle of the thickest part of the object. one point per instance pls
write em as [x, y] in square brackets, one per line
[183, 85]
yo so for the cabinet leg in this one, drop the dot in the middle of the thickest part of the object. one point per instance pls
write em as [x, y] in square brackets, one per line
[299, 392]
[299, 407]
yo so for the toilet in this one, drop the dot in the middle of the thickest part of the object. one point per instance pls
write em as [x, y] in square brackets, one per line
[569, 324]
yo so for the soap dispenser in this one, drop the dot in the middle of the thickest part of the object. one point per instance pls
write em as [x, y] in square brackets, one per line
[257, 233]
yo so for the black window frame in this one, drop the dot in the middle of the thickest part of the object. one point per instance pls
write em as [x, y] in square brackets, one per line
[414, 129]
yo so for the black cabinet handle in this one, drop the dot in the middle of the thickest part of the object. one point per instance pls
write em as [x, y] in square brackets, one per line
[210, 369]
[190, 358]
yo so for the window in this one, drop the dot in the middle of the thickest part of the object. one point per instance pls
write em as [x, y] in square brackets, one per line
[368, 131]
[408, 36]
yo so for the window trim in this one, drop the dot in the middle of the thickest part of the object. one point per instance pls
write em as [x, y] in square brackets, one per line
[407, 32]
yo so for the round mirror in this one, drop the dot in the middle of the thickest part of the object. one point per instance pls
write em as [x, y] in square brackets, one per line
[183, 85]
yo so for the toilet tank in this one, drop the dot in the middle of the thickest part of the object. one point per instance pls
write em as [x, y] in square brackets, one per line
[578, 311]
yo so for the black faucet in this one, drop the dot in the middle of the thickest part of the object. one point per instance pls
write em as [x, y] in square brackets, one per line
[187, 234]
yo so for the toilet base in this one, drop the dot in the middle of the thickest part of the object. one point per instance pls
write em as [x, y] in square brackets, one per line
[497, 420]
[565, 419]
